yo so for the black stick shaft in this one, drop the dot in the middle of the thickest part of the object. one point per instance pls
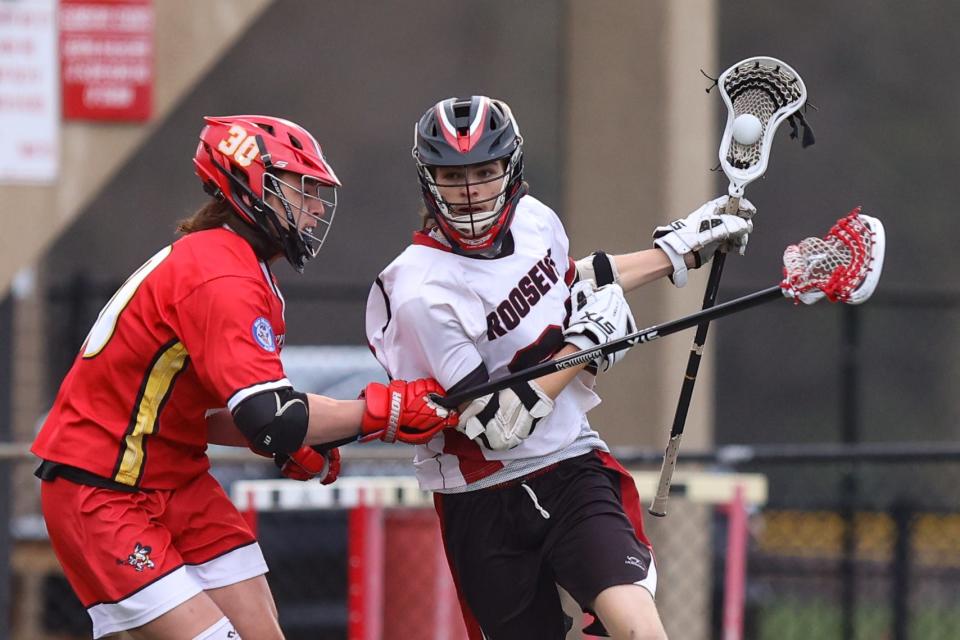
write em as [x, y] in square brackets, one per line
[644, 335]
[659, 505]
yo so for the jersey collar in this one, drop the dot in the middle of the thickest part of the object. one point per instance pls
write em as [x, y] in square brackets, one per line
[423, 238]
[426, 239]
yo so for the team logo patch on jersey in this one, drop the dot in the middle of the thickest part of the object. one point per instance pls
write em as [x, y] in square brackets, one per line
[140, 558]
[263, 334]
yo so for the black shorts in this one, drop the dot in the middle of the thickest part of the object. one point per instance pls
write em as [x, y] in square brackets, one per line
[507, 556]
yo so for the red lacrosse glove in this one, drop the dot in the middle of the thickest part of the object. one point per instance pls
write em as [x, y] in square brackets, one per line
[403, 411]
[308, 463]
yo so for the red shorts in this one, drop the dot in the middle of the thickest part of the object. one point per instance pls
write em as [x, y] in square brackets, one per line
[130, 557]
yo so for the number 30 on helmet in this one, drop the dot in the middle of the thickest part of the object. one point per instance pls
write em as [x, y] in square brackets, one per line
[246, 159]
[459, 133]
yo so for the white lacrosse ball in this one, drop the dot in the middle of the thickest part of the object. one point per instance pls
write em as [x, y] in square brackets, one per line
[747, 129]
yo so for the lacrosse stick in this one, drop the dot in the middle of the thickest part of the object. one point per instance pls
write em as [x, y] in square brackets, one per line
[844, 266]
[760, 93]
[757, 91]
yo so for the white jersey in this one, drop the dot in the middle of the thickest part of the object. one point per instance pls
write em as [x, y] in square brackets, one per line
[434, 313]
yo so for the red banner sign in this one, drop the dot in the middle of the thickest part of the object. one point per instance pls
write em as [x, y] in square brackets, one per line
[106, 59]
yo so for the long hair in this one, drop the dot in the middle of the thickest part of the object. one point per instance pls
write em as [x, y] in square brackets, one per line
[217, 213]
[212, 215]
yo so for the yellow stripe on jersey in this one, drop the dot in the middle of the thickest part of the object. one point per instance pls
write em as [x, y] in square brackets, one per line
[157, 384]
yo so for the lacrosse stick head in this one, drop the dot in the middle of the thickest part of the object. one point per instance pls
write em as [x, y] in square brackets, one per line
[843, 266]
[767, 89]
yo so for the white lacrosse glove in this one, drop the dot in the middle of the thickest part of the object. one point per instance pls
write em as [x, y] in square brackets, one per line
[504, 419]
[702, 233]
[598, 316]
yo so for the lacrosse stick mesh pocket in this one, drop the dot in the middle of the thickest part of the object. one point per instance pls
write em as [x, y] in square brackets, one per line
[835, 265]
[761, 90]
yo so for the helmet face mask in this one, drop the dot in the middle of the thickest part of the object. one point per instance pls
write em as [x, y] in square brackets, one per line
[469, 157]
[306, 209]
[274, 175]
[470, 199]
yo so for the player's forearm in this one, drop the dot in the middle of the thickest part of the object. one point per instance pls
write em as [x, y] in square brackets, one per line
[640, 267]
[554, 383]
[332, 420]
[222, 430]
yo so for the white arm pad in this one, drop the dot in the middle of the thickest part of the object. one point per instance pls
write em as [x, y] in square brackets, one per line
[504, 419]
[679, 277]
[599, 268]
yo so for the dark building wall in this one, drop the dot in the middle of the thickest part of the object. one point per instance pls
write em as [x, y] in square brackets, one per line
[887, 138]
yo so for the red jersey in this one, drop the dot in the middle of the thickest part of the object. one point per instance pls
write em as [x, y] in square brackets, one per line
[199, 326]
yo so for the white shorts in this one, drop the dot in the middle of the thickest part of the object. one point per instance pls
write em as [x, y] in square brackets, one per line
[175, 588]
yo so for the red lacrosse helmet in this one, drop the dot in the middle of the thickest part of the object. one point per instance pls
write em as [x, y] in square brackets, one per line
[456, 133]
[244, 159]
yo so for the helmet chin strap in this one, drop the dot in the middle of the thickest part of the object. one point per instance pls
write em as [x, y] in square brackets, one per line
[448, 232]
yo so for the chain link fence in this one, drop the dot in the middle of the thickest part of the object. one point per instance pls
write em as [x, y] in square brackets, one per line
[857, 549]
[851, 543]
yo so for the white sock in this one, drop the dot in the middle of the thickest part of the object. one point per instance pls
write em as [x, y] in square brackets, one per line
[219, 630]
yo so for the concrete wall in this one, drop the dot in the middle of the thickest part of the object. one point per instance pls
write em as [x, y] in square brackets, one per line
[639, 145]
